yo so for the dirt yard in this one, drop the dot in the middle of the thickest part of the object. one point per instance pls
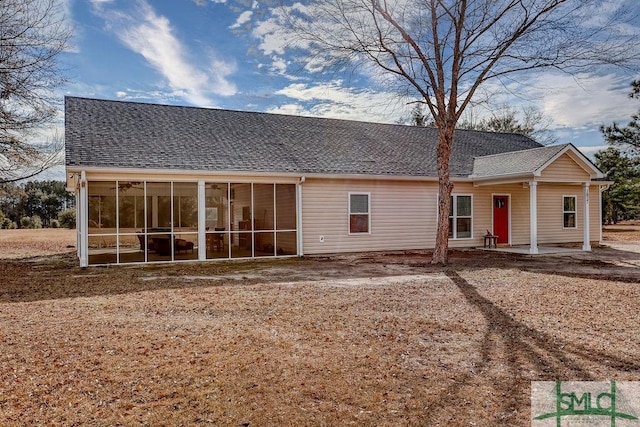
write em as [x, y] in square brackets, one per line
[376, 339]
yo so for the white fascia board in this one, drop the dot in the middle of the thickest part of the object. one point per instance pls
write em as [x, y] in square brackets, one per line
[165, 173]
[374, 177]
[604, 185]
[501, 179]
[183, 174]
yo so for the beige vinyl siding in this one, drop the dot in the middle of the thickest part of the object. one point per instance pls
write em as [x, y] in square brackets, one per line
[403, 215]
[520, 215]
[550, 214]
[564, 169]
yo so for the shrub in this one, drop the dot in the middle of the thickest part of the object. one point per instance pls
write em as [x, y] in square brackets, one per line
[67, 218]
[25, 222]
[7, 224]
[36, 222]
[54, 223]
[30, 222]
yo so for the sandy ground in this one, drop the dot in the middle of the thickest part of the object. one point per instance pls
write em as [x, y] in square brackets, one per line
[375, 339]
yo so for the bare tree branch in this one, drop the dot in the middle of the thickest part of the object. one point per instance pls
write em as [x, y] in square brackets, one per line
[32, 35]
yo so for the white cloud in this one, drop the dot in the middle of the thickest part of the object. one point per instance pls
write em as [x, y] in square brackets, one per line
[152, 36]
[278, 64]
[591, 150]
[584, 100]
[242, 19]
[218, 71]
[272, 32]
[204, 2]
[270, 36]
[575, 105]
[290, 109]
[332, 100]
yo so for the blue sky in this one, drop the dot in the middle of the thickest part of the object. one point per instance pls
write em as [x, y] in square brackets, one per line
[229, 54]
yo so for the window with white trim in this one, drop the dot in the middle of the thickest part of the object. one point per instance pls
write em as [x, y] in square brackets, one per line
[569, 211]
[460, 216]
[359, 209]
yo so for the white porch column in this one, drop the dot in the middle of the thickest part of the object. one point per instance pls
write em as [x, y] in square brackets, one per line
[299, 215]
[78, 215]
[533, 216]
[586, 244]
[82, 221]
[601, 188]
[202, 222]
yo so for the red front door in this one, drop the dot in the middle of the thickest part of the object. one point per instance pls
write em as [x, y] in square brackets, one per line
[501, 218]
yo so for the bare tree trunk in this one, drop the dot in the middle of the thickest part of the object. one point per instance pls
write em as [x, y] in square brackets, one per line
[440, 253]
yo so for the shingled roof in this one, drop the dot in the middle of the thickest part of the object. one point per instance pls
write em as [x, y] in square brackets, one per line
[527, 162]
[116, 134]
[516, 162]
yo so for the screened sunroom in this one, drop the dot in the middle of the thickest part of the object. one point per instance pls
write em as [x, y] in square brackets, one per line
[150, 221]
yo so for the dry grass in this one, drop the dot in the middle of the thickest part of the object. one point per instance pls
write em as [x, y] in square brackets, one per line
[352, 340]
[17, 244]
[623, 232]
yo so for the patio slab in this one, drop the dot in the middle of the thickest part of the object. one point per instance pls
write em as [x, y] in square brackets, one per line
[542, 250]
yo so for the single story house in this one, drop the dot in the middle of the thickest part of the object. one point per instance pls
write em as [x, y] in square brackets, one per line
[159, 183]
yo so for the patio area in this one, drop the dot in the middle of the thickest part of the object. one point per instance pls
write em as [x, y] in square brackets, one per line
[526, 250]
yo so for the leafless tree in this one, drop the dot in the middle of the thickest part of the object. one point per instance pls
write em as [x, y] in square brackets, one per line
[529, 121]
[32, 35]
[443, 51]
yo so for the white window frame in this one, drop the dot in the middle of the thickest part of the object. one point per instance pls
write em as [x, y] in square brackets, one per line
[368, 213]
[574, 212]
[454, 217]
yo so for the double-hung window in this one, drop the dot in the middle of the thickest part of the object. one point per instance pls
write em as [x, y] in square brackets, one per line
[460, 217]
[569, 211]
[359, 213]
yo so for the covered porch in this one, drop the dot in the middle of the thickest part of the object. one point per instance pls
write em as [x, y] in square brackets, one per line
[551, 190]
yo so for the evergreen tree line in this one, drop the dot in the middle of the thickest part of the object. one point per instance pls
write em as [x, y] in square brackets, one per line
[36, 204]
[621, 163]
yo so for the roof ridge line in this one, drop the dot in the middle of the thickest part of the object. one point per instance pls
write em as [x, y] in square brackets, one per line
[560, 146]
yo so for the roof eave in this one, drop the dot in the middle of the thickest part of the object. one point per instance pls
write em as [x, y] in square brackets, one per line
[230, 173]
[522, 175]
